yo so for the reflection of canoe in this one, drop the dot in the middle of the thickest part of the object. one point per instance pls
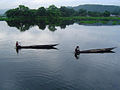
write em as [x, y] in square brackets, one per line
[104, 50]
[38, 46]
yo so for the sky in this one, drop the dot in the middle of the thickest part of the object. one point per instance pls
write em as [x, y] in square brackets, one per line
[8, 4]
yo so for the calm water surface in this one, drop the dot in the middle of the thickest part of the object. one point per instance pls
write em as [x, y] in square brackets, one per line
[39, 69]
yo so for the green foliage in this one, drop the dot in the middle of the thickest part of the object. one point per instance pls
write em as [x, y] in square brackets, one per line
[106, 14]
[41, 11]
[23, 8]
[103, 22]
[94, 14]
[33, 12]
[82, 12]
[114, 23]
[67, 12]
[53, 11]
[53, 15]
[88, 22]
[93, 22]
[21, 11]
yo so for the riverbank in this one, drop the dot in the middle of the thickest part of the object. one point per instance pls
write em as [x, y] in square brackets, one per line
[77, 19]
[94, 20]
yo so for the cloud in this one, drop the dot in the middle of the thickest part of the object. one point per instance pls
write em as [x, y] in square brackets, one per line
[46, 3]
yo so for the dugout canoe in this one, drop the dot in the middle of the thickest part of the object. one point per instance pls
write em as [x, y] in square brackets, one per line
[103, 50]
[37, 46]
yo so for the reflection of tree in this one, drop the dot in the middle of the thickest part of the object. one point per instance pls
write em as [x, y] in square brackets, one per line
[41, 25]
[62, 26]
[65, 22]
[52, 28]
[24, 25]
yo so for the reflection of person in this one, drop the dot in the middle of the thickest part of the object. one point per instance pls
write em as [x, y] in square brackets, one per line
[77, 50]
[17, 50]
[76, 56]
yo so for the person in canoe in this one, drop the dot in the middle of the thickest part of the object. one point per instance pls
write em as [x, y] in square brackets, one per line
[77, 50]
[17, 44]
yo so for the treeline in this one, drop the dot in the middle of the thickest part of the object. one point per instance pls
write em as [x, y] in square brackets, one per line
[115, 10]
[52, 11]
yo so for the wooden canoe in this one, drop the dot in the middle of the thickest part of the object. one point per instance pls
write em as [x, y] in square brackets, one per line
[37, 46]
[104, 50]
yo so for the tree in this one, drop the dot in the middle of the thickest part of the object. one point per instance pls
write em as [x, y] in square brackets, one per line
[10, 13]
[94, 14]
[63, 11]
[41, 11]
[106, 14]
[66, 12]
[82, 12]
[53, 11]
[32, 13]
[23, 8]
[21, 11]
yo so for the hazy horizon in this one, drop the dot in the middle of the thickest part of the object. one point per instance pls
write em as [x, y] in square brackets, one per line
[6, 4]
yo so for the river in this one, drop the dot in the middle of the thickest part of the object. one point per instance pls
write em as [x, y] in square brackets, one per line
[59, 69]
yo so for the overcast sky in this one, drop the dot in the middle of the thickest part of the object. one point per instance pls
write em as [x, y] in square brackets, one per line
[6, 4]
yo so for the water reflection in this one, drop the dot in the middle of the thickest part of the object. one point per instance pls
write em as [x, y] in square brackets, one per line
[58, 69]
[26, 24]
[77, 55]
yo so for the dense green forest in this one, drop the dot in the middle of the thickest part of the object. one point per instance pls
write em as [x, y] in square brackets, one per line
[52, 12]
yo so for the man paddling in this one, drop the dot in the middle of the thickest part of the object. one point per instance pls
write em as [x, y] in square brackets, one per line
[17, 44]
[77, 50]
